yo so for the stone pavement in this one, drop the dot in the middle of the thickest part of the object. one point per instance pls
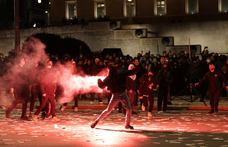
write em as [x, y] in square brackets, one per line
[179, 128]
[185, 124]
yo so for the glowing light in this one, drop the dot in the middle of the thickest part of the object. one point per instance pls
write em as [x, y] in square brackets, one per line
[34, 25]
[129, 0]
[46, 11]
[39, 1]
[49, 3]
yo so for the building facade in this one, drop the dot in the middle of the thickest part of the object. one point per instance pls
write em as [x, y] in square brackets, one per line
[139, 11]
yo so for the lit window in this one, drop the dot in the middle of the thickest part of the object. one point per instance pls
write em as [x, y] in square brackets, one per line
[160, 7]
[224, 5]
[71, 9]
[192, 6]
[130, 8]
[99, 8]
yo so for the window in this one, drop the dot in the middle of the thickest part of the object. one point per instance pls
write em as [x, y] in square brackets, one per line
[129, 8]
[160, 7]
[192, 6]
[71, 9]
[99, 8]
[223, 6]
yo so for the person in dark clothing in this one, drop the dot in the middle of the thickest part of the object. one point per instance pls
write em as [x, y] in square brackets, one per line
[146, 91]
[175, 86]
[164, 78]
[20, 88]
[48, 88]
[193, 75]
[141, 72]
[132, 87]
[214, 87]
[204, 86]
[116, 83]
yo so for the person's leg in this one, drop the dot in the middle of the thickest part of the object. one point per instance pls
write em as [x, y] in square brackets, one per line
[165, 94]
[151, 101]
[160, 96]
[24, 109]
[12, 106]
[33, 99]
[145, 103]
[109, 96]
[113, 102]
[92, 98]
[211, 96]
[216, 99]
[52, 101]
[44, 101]
[125, 100]
[100, 97]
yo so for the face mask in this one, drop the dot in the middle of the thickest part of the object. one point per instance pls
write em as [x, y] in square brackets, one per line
[150, 60]
[49, 66]
[208, 61]
[155, 60]
[147, 62]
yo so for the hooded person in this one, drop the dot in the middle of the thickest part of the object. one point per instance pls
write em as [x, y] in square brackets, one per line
[116, 83]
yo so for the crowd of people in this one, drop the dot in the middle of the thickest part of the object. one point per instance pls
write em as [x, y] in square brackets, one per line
[163, 75]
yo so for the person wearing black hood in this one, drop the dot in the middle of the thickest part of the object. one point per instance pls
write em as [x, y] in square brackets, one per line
[116, 83]
[164, 78]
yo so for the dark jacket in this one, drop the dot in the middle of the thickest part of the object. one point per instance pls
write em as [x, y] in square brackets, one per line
[116, 80]
[164, 78]
[146, 87]
[213, 78]
[132, 84]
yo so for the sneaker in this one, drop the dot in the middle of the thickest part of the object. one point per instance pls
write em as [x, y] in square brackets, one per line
[129, 127]
[63, 108]
[91, 102]
[26, 118]
[75, 109]
[211, 112]
[143, 107]
[35, 117]
[101, 103]
[149, 114]
[7, 113]
[55, 119]
[93, 125]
